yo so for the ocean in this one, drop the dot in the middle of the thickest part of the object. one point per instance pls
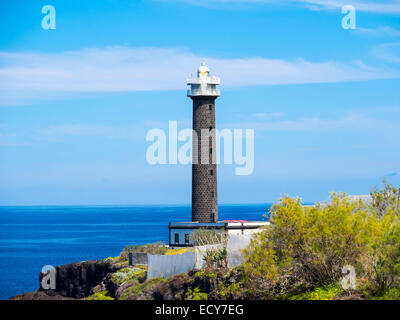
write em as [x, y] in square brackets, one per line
[34, 236]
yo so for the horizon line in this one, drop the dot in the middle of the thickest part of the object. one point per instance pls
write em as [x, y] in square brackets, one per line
[137, 205]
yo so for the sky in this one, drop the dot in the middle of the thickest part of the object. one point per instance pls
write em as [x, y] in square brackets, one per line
[76, 102]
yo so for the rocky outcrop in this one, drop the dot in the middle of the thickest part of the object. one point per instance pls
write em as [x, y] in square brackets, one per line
[108, 280]
[73, 281]
[40, 295]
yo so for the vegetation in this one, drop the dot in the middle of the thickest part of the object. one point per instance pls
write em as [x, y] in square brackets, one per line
[100, 295]
[202, 237]
[309, 246]
[178, 251]
[128, 274]
[301, 255]
[195, 294]
[216, 258]
[215, 254]
[327, 292]
[152, 248]
[391, 294]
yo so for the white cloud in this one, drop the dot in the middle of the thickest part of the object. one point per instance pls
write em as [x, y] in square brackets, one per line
[69, 130]
[381, 31]
[263, 115]
[351, 121]
[389, 52]
[375, 6]
[29, 77]
[77, 130]
[66, 131]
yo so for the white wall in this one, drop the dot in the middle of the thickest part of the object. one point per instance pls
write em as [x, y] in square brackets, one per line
[166, 266]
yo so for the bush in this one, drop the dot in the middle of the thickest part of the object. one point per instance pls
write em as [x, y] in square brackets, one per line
[216, 258]
[386, 199]
[202, 237]
[309, 246]
[195, 294]
[391, 294]
[385, 257]
[327, 292]
[100, 295]
[128, 274]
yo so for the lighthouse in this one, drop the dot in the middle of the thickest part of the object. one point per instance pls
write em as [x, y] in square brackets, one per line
[203, 92]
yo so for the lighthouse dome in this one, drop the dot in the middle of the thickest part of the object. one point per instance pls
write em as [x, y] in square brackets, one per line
[203, 70]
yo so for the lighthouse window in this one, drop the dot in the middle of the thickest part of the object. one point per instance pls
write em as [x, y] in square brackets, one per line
[176, 237]
[210, 150]
[212, 216]
[210, 128]
[211, 172]
[186, 238]
[212, 194]
[210, 107]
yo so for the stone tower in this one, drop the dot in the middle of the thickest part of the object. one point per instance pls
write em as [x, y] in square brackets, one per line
[203, 91]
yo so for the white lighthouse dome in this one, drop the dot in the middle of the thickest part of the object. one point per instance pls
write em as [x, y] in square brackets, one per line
[203, 84]
[203, 70]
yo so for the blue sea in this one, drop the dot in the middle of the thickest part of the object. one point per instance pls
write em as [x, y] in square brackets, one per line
[34, 236]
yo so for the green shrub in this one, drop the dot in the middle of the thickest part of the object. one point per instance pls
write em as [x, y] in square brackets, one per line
[327, 292]
[310, 245]
[134, 291]
[195, 294]
[385, 199]
[391, 294]
[229, 291]
[384, 261]
[128, 274]
[216, 258]
[100, 295]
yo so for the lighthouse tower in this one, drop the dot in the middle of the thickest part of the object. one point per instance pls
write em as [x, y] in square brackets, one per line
[203, 91]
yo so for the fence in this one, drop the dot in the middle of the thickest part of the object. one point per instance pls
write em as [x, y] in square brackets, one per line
[201, 253]
[236, 243]
[168, 265]
[138, 258]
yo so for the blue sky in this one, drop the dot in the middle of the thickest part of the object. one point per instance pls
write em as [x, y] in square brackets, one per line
[76, 102]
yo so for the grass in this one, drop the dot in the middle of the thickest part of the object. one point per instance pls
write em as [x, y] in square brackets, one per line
[327, 292]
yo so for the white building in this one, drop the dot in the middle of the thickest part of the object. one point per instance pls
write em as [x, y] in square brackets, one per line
[179, 232]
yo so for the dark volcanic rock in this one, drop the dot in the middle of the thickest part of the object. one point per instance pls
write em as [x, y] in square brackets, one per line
[40, 295]
[76, 280]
